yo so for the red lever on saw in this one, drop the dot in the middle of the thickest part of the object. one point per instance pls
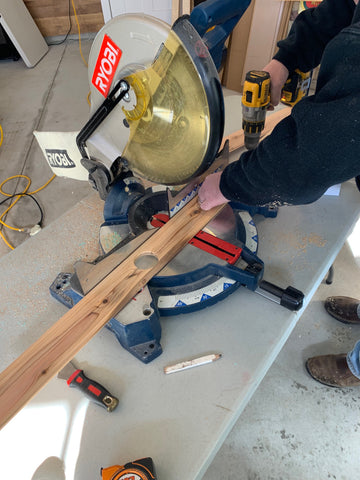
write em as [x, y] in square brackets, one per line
[205, 241]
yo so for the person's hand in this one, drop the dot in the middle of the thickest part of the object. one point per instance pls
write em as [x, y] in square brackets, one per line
[278, 76]
[209, 193]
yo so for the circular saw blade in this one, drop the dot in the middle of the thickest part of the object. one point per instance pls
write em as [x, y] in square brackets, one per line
[177, 123]
[138, 38]
[169, 128]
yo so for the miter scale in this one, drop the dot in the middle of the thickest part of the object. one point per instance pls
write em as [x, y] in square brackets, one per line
[158, 116]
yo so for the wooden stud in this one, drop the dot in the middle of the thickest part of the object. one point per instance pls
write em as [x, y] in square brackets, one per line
[175, 10]
[186, 7]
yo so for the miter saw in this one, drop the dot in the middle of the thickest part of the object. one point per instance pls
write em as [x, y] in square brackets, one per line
[157, 114]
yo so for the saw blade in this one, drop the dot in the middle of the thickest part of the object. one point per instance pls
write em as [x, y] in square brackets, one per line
[177, 123]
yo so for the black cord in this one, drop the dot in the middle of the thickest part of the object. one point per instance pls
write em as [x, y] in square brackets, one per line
[32, 198]
[63, 40]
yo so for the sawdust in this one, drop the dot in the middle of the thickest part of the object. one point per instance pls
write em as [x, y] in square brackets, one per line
[296, 246]
[299, 242]
[314, 239]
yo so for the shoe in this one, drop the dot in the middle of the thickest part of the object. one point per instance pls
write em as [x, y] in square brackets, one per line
[332, 370]
[343, 309]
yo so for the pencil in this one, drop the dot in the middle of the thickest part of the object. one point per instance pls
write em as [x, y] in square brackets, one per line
[196, 362]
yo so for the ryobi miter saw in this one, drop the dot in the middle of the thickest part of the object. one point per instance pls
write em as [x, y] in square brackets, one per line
[157, 115]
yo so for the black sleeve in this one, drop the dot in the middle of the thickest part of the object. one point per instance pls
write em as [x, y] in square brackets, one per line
[310, 33]
[317, 146]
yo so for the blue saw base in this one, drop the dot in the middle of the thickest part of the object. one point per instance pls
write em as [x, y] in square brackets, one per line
[142, 338]
[171, 294]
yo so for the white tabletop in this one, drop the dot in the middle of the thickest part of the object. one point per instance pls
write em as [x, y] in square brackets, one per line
[179, 420]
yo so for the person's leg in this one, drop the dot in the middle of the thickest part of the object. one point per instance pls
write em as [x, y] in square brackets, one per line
[341, 370]
[353, 360]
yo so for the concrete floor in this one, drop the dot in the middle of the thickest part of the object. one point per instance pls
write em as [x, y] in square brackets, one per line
[49, 97]
[293, 428]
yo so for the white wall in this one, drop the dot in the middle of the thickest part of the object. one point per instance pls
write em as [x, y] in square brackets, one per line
[157, 8]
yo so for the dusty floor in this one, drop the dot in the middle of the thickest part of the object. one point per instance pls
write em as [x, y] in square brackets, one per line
[293, 428]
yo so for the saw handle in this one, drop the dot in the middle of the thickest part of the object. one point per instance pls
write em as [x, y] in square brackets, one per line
[212, 12]
[110, 102]
[290, 297]
[96, 392]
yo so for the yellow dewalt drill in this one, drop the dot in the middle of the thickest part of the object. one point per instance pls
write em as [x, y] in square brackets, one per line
[256, 99]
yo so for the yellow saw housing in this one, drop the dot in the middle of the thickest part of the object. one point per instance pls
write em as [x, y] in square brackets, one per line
[170, 124]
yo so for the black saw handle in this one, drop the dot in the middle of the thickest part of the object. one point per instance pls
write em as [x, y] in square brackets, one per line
[290, 297]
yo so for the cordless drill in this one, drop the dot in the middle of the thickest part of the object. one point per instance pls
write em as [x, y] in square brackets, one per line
[256, 99]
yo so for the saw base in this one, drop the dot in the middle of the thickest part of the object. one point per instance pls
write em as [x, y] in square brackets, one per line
[176, 290]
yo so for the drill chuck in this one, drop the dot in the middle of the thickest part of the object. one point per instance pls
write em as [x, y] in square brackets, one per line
[253, 124]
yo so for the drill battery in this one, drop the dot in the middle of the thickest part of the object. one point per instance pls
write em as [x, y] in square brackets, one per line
[296, 87]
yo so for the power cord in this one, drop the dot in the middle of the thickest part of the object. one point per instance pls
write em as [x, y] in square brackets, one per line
[31, 230]
[70, 26]
[67, 34]
[37, 227]
[79, 32]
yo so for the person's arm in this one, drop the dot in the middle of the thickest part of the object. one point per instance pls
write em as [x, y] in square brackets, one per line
[311, 32]
[304, 46]
[317, 146]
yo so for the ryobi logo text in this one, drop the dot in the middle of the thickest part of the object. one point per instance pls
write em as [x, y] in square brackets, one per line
[59, 158]
[106, 64]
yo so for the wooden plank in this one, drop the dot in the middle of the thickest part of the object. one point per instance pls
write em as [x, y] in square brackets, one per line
[284, 22]
[181, 7]
[186, 7]
[58, 345]
[175, 10]
[236, 139]
[237, 51]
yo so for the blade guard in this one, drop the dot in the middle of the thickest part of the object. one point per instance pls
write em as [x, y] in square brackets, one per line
[169, 127]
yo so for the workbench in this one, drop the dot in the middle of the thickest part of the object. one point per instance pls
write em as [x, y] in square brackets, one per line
[179, 420]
